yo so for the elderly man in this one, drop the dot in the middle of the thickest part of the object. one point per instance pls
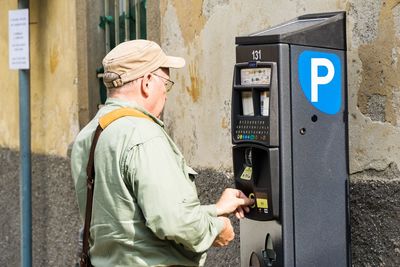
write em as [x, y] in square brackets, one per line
[146, 211]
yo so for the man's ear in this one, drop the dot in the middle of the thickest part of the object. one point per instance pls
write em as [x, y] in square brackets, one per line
[145, 84]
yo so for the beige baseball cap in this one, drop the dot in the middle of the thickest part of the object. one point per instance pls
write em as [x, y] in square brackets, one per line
[133, 59]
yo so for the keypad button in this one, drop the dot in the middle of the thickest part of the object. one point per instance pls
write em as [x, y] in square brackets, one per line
[254, 129]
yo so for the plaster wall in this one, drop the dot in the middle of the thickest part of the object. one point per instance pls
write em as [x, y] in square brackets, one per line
[198, 109]
[203, 32]
[153, 20]
[54, 108]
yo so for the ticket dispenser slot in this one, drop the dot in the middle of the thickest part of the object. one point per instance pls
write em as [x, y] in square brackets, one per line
[256, 171]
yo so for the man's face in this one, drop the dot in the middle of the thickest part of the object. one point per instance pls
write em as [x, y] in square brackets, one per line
[158, 91]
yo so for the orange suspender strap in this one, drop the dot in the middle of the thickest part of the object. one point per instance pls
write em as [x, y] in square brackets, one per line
[103, 123]
[118, 113]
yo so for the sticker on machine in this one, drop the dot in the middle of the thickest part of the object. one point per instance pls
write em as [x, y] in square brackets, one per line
[246, 174]
[320, 78]
[262, 202]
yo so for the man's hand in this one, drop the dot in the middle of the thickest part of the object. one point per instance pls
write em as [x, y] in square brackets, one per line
[226, 234]
[233, 201]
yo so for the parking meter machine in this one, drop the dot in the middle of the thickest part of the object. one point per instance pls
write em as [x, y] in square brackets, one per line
[289, 135]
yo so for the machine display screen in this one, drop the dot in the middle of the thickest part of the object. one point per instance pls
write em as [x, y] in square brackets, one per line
[255, 76]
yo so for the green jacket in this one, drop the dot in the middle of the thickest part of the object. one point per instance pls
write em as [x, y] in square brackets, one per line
[146, 211]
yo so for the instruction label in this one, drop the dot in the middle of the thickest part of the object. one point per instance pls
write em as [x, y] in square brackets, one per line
[18, 35]
[246, 174]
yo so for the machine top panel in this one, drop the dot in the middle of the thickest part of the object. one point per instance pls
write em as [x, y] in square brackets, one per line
[325, 30]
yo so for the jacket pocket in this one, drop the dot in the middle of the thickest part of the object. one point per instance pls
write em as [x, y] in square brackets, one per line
[190, 173]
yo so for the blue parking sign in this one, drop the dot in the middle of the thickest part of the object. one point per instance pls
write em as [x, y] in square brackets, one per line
[320, 77]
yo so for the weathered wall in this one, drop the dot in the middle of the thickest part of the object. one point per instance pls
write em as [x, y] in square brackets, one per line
[153, 20]
[374, 90]
[90, 51]
[204, 34]
[54, 112]
[9, 88]
[198, 110]
[374, 84]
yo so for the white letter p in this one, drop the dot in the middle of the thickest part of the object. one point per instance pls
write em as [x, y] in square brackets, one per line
[317, 80]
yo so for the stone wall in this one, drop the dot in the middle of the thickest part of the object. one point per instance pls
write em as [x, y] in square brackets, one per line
[375, 209]
[55, 219]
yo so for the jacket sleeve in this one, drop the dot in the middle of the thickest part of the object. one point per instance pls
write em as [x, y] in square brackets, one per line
[168, 198]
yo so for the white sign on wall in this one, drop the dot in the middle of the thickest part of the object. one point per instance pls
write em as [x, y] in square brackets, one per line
[18, 38]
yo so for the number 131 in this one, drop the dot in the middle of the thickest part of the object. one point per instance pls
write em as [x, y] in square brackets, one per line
[256, 54]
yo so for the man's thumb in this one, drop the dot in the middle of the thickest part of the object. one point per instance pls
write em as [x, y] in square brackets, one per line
[245, 201]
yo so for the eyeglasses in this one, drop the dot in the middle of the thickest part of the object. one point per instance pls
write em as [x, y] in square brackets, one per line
[168, 83]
